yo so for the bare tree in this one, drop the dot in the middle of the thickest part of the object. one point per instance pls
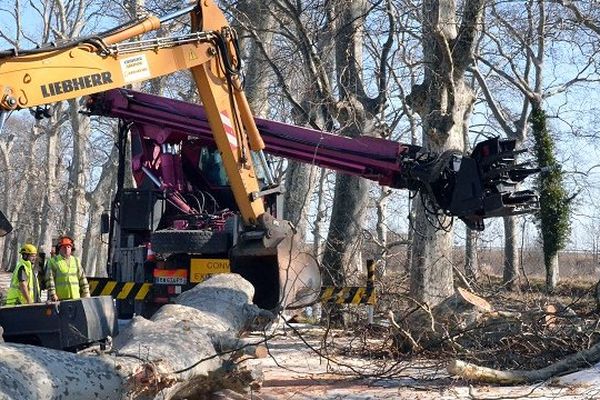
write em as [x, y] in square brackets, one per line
[58, 20]
[519, 44]
[23, 176]
[512, 123]
[443, 100]
[258, 23]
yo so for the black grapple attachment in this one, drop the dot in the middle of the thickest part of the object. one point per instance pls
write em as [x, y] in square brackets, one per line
[482, 185]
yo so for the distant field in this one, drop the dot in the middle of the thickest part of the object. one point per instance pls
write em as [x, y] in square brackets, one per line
[581, 265]
[573, 264]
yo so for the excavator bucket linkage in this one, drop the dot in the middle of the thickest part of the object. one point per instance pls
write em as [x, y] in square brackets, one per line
[282, 274]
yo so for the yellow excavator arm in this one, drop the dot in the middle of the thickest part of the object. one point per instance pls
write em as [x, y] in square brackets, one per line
[264, 253]
[98, 63]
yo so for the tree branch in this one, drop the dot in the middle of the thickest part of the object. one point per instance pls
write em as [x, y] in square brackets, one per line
[467, 33]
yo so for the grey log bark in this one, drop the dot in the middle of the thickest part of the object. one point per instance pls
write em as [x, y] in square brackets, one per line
[572, 363]
[178, 343]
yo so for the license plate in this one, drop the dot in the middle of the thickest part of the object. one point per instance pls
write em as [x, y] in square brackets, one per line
[200, 268]
[170, 276]
[170, 280]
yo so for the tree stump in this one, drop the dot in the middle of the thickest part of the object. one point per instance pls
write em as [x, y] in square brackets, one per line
[425, 328]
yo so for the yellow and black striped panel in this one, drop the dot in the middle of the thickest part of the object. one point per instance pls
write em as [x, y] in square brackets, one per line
[119, 290]
[348, 295]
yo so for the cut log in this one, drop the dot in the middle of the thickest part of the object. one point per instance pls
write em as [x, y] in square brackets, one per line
[572, 363]
[179, 342]
[30, 372]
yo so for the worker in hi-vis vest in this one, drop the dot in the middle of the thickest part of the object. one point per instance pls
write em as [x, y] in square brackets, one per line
[24, 286]
[65, 277]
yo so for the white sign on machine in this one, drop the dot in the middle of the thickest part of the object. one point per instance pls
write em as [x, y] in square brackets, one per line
[135, 68]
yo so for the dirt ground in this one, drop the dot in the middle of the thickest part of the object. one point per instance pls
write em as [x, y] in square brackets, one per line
[300, 368]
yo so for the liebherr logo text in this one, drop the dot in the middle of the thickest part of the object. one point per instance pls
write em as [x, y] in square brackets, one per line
[74, 84]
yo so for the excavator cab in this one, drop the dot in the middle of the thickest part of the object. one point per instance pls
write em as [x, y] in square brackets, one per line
[198, 219]
[269, 256]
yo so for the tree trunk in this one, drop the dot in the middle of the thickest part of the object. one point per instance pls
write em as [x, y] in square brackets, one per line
[51, 223]
[471, 256]
[92, 241]
[98, 200]
[154, 357]
[346, 223]
[382, 229]
[350, 195]
[431, 277]
[552, 275]
[20, 213]
[299, 186]
[555, 223]
[431, 268]
[510, 272]
[444, 102]
[80, 125]
[412, 216]
[255, 14]
[5, 149]
[321, 214]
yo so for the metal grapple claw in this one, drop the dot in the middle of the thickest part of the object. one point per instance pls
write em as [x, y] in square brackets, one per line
[483, 185]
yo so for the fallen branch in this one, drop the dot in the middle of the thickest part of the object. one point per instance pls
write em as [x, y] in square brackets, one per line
[574, 362]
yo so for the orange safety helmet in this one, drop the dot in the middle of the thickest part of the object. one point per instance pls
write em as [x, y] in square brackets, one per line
[64, 241]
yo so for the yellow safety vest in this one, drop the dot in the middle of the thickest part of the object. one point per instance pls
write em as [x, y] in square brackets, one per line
[66, 277]
[14, 295]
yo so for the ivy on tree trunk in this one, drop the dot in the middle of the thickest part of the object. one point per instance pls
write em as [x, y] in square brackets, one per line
[554, 205]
